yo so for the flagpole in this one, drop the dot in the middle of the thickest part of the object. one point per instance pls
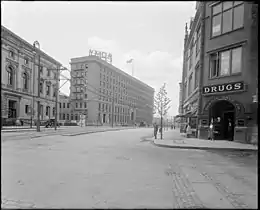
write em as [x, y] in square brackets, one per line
[132, 68]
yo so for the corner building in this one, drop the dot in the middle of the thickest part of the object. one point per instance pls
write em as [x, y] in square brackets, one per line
[230, 70]
[19, 77]
[107, 94]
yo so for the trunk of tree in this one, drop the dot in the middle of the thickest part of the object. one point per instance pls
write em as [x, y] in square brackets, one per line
[161, 125]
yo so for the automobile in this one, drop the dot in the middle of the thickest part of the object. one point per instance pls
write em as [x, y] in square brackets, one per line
[142, 124]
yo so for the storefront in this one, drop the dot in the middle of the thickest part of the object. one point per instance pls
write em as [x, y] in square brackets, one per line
[225, 103]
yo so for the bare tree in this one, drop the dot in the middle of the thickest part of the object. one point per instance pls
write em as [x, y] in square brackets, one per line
[162, 104]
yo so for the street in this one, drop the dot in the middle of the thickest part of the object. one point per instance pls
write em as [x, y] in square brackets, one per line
[120, 169]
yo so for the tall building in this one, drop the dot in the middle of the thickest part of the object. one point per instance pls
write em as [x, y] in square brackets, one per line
[228, 69]
[19, 88]
[189, 89]
[107, 94]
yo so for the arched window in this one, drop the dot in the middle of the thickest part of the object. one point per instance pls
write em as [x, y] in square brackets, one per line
[10, 75]
[25, 77]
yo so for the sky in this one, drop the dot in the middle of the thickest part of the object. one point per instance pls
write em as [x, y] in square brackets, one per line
[152, 33]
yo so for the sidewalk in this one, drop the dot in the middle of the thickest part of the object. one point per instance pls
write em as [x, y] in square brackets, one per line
[63, 131]
[173, 139]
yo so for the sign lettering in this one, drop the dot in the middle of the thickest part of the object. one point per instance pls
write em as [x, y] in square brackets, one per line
[234, 86]
[102, 55]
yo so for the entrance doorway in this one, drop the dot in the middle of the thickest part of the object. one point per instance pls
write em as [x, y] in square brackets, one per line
[222, 113]
[12, 109]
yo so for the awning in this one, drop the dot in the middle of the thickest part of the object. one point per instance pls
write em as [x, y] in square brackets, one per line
[191, 113]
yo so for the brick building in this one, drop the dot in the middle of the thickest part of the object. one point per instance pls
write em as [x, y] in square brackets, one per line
[94, 85]
[229, 69]
[19, 79]
[65, 108]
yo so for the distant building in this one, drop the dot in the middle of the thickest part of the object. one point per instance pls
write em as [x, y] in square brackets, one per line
[65, 108]
[19, 79]
[95, 83]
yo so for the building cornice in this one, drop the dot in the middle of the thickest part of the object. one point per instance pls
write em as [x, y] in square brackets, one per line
[24, 44]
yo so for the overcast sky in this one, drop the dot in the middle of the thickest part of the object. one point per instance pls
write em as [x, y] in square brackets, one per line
[149, 32]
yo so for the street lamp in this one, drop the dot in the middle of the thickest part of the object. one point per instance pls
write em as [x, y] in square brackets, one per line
[37, 44]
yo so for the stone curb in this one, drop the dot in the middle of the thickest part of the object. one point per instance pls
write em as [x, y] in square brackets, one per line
[89, 132]
[204, 148]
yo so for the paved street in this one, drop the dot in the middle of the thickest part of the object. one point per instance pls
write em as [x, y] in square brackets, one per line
[120, 169]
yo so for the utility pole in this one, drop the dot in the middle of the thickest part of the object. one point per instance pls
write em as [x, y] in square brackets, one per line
[56, 99]
[32, 107]
[112, 121]
[39, 85]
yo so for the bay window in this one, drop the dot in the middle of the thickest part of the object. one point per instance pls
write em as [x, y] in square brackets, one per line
[227, 16]
[226, 62]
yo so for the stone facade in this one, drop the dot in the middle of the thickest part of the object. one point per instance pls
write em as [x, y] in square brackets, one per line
[19, 87]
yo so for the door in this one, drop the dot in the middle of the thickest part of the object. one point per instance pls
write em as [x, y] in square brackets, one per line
[226, 116]
[12, 109]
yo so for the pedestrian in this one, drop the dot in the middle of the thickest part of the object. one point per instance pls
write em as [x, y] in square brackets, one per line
[155, 130]
[211, 130]
[230, 130]
[188, 131]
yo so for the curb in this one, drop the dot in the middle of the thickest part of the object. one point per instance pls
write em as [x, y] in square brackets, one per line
[204, 148]
[89, 132]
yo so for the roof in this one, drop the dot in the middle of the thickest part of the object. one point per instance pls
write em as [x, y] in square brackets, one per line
[27, 44]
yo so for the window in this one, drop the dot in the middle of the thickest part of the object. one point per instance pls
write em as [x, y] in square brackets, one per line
[25, 81]
[80, 105]
[41, 69]
[48, 90]
[227, 16]
[41, 87]
[48, 72]
[26, 109]
[68, 116]
[10, 75]
[11, 53]
[26, 61]
[226, 63]
[64, 105]
[47, 110]
[53, 111]
[86, 95]
[76, 105]
[60, 105]
[85, 105]
[71, 117]
[196, 79]
[236, 60]
[64, 116]
[54, 90]
[198, 41]
[68, 105]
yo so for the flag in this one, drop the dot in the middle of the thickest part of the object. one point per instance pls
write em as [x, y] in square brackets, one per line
[130, 61]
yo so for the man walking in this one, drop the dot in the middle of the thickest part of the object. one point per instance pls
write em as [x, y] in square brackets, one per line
[155, 130]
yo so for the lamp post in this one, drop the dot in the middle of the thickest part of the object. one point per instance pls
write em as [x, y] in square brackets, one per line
[36, 43]
[32, 107]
